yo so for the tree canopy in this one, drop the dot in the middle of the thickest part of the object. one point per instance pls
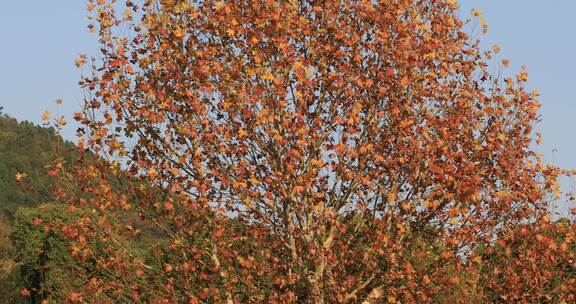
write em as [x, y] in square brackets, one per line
[338, 130]
[307, 152]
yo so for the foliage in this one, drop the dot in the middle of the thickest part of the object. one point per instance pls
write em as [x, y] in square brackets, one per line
[338, 133]
[25, 150]
[6, 263]
[42, 252]
[532, 264]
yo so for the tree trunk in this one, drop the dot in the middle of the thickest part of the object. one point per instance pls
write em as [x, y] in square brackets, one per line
[317, 283]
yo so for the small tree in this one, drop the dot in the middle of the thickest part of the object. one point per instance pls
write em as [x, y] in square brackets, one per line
[339, 132]
[42, 253]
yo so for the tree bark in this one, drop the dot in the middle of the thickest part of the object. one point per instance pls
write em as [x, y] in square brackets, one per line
[317, 284]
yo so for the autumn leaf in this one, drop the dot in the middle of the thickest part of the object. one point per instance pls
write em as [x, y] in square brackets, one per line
[452, 4]
[496, 48]
[79, 62]
[179, 33]
[20, 177]
[46, 115]
[61, 121]
[75, 298]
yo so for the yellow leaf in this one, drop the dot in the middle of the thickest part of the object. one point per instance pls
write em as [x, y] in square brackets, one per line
[248, 203]
[20, 177]
[46, 115]
[318, 207]
[152, 172]
[523, 76]
[404, 81]
[79, 62]
[242, 133]
[406, 206]
[483, 22]
[220, 5]
[298, 65]
[556, 189]
[179, 33]
[391, 196]
[309, 72]
[453, 4]
[268, 76]
[61, 121]
[496, 48]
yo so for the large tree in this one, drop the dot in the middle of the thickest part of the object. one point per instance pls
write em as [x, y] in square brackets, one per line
[335, 134]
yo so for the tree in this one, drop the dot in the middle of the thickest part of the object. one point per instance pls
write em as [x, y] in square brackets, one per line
[532, 264]
[42, 254]
[339, 132]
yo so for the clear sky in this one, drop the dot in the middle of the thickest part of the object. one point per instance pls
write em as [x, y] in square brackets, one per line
[541, 35]
[40, 40]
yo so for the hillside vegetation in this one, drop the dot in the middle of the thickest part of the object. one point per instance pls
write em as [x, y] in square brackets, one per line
[35, 255]
[25, 150]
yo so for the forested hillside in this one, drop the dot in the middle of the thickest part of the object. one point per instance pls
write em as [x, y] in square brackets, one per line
[25, 149]
[35, 254]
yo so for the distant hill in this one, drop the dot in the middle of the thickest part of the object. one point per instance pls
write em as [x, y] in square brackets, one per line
[27, 148]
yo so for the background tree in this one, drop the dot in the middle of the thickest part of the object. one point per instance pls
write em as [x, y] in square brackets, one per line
[25, 151]
[42, 253]
[338, 131]
[534, 263]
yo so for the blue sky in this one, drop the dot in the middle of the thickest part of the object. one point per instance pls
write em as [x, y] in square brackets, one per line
[540, 35]
[41, 39]
[39, 42]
